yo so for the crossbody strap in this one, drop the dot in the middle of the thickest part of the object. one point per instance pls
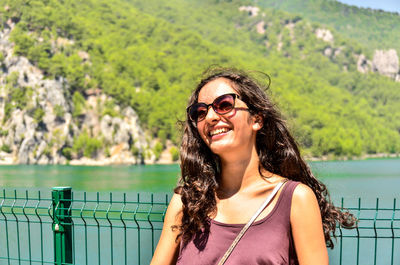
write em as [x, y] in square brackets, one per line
[244, 229]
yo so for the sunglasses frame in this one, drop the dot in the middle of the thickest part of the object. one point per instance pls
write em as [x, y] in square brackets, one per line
[212, 104]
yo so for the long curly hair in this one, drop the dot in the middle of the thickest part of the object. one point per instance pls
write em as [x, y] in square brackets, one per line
[277, 150]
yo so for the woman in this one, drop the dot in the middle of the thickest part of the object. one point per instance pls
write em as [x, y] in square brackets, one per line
[235, 150]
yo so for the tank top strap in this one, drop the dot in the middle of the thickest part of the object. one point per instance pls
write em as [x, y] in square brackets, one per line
[288, 190]
[285, 199]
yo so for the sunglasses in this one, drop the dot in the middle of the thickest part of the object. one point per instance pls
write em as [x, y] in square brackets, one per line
[221, 105]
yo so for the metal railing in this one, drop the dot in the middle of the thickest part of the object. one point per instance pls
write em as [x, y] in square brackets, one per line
[65, 227]
[375, 240]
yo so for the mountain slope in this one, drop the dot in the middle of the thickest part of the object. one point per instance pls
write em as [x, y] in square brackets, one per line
[149, 54]
[375, 29]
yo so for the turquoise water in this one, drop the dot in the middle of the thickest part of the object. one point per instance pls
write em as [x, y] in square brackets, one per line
[152, 178]
[363, 178]
[374, 178]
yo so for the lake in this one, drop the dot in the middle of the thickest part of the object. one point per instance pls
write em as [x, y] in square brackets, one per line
[372, 178]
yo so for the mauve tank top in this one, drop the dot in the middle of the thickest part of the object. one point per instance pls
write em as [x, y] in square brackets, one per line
[268, 241]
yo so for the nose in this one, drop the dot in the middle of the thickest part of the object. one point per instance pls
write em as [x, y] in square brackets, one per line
[211, 116]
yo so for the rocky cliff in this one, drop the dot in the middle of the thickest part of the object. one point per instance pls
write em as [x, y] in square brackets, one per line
[41, 123]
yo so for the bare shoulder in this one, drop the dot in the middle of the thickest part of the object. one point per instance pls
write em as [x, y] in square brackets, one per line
[303, 194]
[176, 202]
[174, 210]
[304, 201]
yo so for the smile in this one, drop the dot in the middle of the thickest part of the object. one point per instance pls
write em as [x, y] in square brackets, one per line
[218, 131]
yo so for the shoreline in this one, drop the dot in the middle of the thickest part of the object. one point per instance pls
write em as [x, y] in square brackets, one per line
[107, 162]
[354, 158]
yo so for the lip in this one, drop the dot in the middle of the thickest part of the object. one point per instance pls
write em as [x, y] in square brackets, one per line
[220, 135]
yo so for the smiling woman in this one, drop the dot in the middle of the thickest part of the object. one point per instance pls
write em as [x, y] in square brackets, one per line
[231, 130]
[236, 152]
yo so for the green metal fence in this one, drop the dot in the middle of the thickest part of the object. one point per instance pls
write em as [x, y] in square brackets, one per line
[65, 227]
[376, 240]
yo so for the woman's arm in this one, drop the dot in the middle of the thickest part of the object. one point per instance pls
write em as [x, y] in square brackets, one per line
[168, 247]
[307, 230]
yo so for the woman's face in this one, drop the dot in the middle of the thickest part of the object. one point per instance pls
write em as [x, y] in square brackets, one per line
[230, 133]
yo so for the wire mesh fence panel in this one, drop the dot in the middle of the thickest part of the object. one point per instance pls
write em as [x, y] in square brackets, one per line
[376, 240]
[105, 228]
[115, 228]
[25, 223]
[57, 227]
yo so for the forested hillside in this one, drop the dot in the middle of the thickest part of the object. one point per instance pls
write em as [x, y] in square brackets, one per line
[149, 54]
[376, 29]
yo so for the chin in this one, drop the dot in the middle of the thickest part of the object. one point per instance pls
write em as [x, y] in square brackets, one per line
[221, 148]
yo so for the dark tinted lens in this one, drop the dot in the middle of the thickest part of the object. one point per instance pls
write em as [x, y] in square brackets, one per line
[221, 105]
[224, 103]
[198, 111]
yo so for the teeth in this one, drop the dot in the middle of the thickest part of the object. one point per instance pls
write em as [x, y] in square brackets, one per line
[218, 131]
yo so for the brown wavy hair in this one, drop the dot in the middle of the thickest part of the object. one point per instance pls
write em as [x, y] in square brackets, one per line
[277, 150]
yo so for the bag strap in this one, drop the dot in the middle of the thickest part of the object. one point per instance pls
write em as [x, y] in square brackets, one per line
[244, 229]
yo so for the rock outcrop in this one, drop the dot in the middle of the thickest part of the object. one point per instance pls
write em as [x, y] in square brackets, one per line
[325, 35]
[386, 63]
[252, 10]
[39, 126]
[260, 27]
[363, 64]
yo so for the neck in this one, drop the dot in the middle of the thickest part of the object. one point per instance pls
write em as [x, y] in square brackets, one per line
[238, 174]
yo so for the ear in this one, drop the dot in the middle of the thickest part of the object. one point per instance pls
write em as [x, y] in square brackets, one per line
[257, 122]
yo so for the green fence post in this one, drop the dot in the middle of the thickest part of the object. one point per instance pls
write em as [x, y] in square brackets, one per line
[62, 225]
